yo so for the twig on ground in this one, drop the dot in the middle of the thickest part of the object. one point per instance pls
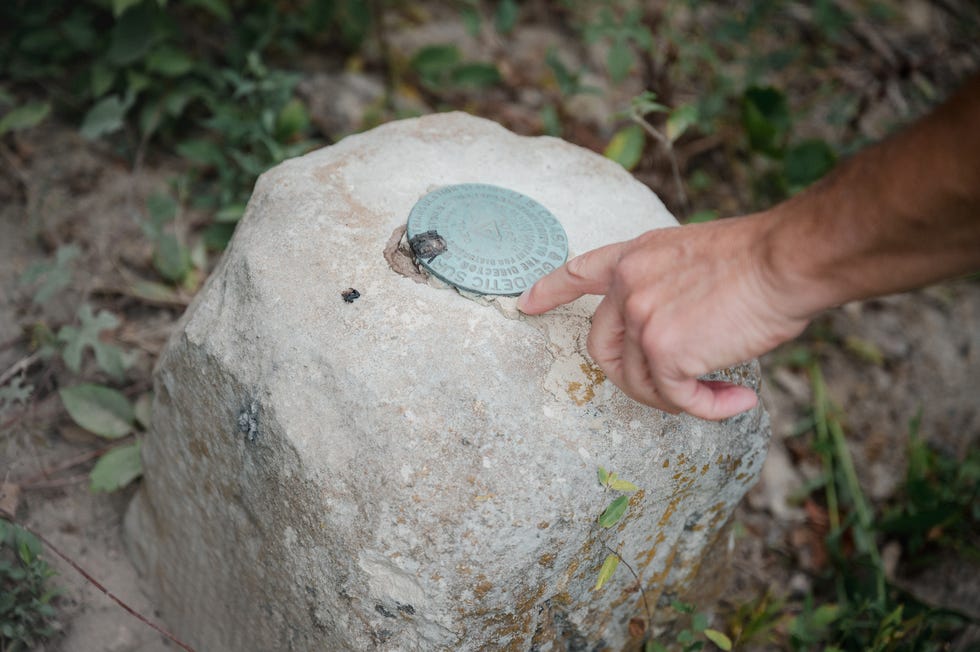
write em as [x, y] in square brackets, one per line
[21, 365]
[56, 483]
[45, 474]
[639, 583]
[671, 155]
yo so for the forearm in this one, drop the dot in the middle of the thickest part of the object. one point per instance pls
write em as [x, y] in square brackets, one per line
[898, 215]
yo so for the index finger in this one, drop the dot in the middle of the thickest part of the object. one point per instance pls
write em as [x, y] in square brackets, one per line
[590, 273]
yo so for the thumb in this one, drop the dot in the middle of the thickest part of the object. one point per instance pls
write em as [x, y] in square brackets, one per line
[708, 399]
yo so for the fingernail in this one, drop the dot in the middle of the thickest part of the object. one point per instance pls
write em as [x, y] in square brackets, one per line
[522, 300]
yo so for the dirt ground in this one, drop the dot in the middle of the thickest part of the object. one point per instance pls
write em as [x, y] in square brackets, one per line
[57, 188]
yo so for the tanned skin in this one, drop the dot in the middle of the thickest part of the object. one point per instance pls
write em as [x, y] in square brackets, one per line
[682, 302]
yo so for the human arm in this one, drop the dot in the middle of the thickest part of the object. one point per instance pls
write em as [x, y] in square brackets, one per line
[682, 302]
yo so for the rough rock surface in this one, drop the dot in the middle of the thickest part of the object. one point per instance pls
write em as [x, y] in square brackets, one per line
[415, 470]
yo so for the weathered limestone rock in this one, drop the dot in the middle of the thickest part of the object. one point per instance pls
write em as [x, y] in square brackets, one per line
[415, 470]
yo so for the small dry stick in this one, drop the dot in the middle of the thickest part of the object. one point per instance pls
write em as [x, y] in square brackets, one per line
[184, 646]
[669, 148]
[20, 365]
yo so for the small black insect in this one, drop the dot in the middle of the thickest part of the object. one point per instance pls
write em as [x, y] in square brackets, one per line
[427, 245]
[349, 295]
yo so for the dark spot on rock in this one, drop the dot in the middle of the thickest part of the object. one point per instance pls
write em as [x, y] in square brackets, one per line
[383, 635]
[406, 609]
[349, 295]
[426, 246]
[381, 609]
[248, 421]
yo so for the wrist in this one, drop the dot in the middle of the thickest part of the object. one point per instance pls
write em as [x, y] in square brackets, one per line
[793, 269]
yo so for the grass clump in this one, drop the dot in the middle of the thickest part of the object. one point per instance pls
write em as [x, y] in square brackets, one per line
[26, 614]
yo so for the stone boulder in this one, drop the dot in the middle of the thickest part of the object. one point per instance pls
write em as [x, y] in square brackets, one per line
[416, 469]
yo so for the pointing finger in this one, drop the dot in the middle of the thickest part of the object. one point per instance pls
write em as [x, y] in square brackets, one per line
[590, 273]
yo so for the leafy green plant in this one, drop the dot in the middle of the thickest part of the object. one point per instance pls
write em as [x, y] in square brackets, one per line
[76, 339]
[868, 613]
[52, 276]
[768, 127]
[622, 27]
[14, 392]
[26, 614]
[441, 68]
[626, 146]
[690, 639]
[694, 636]
[939, 505]
[23, 117]
[107, 413]
[610, 516]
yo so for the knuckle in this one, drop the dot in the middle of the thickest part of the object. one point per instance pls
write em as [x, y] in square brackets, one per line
[578, 268]
[636, 311]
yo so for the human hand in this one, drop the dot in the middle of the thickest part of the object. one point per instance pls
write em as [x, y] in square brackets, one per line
[679, 303]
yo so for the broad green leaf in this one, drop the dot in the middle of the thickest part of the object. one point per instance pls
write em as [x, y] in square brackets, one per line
[104, 118]
[293, 119]
[568, 82]
[766, 118]
[682, 607]
[119, 7]
[136, 83]
[55, 275]
[169, 62]
[619, 60]
[110, 358]
[217, 236]
[679, 120]
[865, 349]
[646, 102]
[471, 18]
[116, 469]
[506, 16]
[719, 639]
[153, 292]
[199, 255]
[825, 614]
[699, 623]
[171, 258]
[14, 392]
[219, 8]
[230, 214]
[435, 61]
[162, 209]
[653, 646]
[201, 151]
[475, 75]
[143, 409]
[101, 77]
[99, 409]
[603, 476]
[807, 162]
[550, 121]
[134, 33]
[614, 512]
[24, 117]
[609, 566]
[626, 146]
[622, 485]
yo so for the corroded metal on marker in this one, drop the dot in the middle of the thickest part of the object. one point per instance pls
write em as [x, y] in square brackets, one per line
[485, 239]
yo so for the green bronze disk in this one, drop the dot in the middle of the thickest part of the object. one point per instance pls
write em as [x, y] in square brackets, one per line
[485, 239]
